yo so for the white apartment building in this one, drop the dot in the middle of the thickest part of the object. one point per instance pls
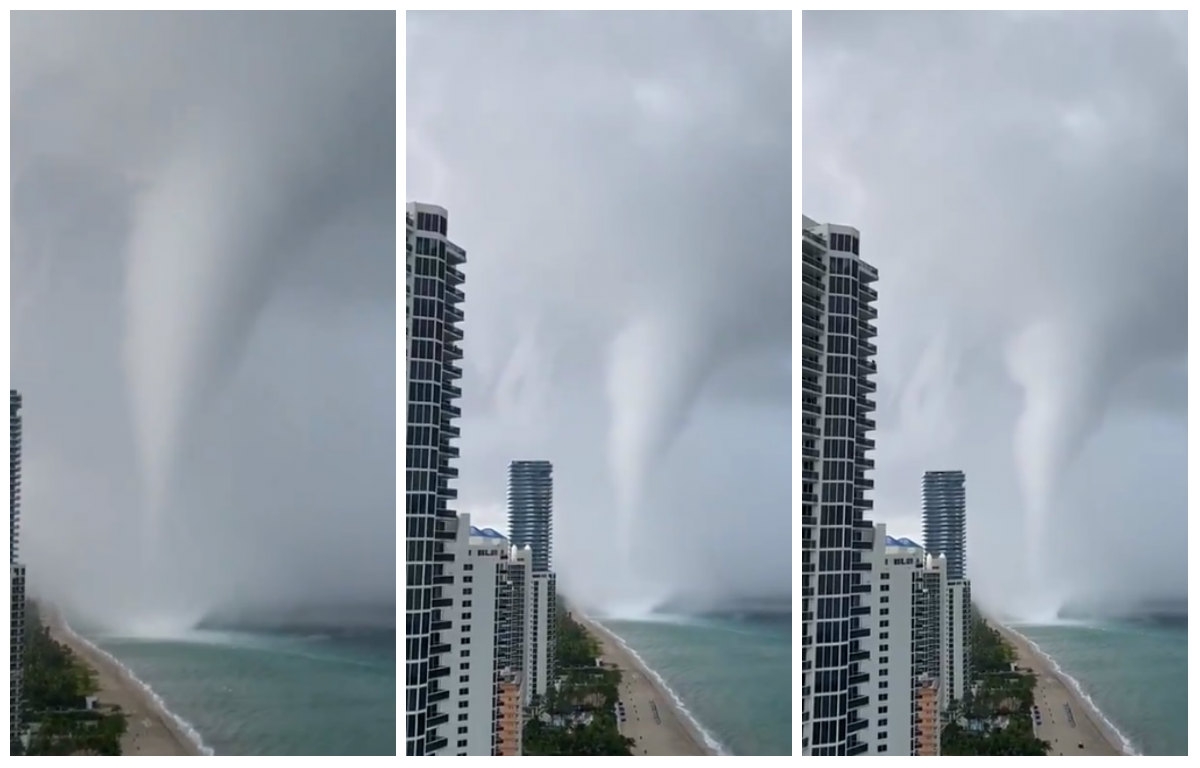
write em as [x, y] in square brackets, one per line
[478, 643]
[543, 634]
[906, 647]
[958, 640]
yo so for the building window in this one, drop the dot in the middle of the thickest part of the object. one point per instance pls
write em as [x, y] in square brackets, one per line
[462, 743]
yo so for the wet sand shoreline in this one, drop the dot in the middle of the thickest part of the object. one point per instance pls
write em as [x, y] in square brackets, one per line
[1068, 722]
[652, 719]
[149, 730]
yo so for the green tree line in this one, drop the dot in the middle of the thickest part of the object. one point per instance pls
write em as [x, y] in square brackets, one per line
[998, 692]
[583, 688]
[54, 713]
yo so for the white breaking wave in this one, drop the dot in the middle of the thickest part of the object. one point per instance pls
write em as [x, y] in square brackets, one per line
[709, 740]
[183, 725]
[1126, 744]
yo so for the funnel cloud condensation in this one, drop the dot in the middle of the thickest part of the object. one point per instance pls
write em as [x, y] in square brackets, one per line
[622, 184]
[203, 276]
[1028, 218]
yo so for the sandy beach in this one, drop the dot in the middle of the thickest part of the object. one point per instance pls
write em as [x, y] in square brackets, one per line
[1067, 721]
[652, 719]
[149, 730]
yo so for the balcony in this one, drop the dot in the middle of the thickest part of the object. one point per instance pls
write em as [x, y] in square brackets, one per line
[856, 634]
[860, 656]
[437, 696]
[453, 314]
[856, 725]
[866, 293]
[857, 701]
[440, 648]
[858, 748]
[437, 720]
[439, 672]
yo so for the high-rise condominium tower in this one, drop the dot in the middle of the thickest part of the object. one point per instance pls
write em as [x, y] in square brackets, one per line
[945, 519]
[530, 524]
[16, 571]
[531, 509]
[838, 307]
[945, 524]
[433, 297]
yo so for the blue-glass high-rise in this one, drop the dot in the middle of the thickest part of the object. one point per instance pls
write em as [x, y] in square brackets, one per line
[944, 519]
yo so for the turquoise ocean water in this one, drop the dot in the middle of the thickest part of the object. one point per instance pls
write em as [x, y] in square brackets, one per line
[733, 676]
[1134, 672]
[255, 693]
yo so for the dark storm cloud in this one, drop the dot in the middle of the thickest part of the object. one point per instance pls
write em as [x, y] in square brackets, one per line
[203, 324]
[622, 185]
[1021, 183]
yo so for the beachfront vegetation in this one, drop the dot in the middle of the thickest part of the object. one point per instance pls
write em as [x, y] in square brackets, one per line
[995, 716]
[579, 716]
[55, 712]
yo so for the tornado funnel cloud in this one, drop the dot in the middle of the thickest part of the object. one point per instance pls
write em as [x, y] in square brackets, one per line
[199, 266]
[1055, 363]
[657, 366]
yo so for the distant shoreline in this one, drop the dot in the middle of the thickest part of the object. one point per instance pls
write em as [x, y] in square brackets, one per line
[150, 728]
[1070, 719]
[673, 732]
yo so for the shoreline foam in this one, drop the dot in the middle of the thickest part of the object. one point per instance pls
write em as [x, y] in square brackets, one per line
[710, 741]
[182, 727]
[1127, 745]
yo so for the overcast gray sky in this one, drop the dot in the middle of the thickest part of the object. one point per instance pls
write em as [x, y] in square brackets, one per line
[622, 184]
[203, 308]
[1020, 181]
